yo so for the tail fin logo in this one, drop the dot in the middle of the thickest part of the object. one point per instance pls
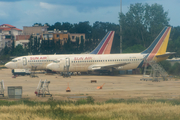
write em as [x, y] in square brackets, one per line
[159, 45]
[104, 46]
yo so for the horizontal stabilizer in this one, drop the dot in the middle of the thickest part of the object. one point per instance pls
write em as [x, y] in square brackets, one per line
[167, 54]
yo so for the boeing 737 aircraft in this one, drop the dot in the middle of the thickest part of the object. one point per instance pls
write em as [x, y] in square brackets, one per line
[82, 63]
[90, 62]
[41, 61]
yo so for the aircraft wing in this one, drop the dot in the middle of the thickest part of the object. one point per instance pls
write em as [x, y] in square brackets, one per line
[104, 67]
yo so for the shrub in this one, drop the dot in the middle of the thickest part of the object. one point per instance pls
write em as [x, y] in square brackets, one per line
[90, 100]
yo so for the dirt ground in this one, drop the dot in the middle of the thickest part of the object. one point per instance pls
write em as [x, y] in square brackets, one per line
[115, 87]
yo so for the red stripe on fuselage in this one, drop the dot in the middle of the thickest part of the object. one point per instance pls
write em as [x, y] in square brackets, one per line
[105, 43]
[158, 45]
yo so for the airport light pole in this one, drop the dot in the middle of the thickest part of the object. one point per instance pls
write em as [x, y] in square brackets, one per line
[120, 26]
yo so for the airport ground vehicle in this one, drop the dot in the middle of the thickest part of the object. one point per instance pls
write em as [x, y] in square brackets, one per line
[21, 72]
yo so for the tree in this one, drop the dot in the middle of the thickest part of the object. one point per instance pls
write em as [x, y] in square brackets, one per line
[142, 23]
[68, 46]
[173, 46]
[34, 45]
[57, 47]
[77, 43]
[13, 45]
[66, 26]
[6, 50]
[83, 27]
[38, 24]
[134, 49]
[81, 48]
[57, 25]
[19, 51]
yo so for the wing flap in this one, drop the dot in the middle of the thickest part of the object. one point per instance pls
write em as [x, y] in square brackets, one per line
[101, 67]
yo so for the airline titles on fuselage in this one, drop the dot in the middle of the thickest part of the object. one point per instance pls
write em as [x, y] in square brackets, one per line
[38, 58]
[82, 58]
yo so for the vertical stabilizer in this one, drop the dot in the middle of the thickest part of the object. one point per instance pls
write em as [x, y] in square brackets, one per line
[104, 47]
[159, 45]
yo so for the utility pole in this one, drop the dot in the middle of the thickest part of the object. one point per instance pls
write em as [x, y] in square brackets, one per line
[120, 26]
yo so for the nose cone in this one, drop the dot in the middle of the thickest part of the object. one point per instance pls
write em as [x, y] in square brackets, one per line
[52, 66]
[8, 65]
[11, 65]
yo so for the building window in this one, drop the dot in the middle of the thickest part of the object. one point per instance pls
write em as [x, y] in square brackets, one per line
[7, 37]
[57, 35]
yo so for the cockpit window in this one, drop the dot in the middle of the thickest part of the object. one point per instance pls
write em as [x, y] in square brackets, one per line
[13, 60]
[56, 61]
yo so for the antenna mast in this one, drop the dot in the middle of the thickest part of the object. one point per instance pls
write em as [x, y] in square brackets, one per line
[120, 26]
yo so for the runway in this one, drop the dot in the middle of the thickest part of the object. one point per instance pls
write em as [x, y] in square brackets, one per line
[115, 87]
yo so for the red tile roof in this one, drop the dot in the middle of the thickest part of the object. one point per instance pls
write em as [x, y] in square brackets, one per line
[8, 25]
[5, 29]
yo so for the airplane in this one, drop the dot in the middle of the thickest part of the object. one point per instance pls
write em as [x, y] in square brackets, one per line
[87, 62]
[41, 61]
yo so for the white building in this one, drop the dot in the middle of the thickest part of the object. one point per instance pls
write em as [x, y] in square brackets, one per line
[22, 40]
[7, 34]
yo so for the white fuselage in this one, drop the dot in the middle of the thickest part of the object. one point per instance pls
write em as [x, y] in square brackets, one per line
[77, 62]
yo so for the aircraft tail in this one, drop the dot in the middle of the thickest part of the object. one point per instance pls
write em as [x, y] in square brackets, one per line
[157, 50]
[104, 47]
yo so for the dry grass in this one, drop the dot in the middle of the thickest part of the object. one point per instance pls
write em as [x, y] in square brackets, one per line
[119, 111]
[126, 111]
[22, 112]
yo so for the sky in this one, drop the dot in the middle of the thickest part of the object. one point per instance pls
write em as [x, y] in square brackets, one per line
[21, 13]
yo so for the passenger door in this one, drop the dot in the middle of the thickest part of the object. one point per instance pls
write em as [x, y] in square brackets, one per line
[24, 61]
